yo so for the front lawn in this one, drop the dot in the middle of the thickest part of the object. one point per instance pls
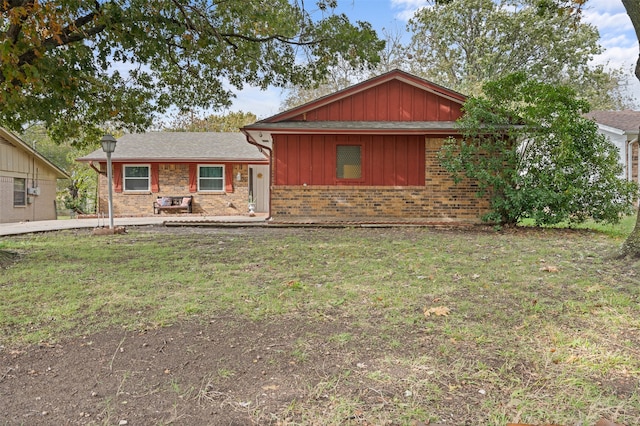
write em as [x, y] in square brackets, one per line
[377, 326]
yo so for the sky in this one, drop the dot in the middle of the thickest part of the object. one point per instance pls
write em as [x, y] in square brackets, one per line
[617, 37]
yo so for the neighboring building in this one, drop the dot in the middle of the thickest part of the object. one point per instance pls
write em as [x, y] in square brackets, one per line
[621, 127]
[27, 182]
[219, 170]
[370, 153]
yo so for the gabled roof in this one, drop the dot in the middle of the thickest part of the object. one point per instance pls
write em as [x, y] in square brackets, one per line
[181, 147]
[395, 113]
[19, 143]
[626, 121]
[361, 87]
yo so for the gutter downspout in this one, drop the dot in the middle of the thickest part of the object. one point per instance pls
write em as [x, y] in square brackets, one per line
[261, 147]
[96, 169]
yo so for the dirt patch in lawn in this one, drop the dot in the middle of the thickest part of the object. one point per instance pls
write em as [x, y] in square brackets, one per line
[226, 371]
[7, 258]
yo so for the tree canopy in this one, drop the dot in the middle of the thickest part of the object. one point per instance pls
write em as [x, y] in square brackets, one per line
[230, 122]
[533, 152]
[343, 74]
[463, 43]
[74, 65]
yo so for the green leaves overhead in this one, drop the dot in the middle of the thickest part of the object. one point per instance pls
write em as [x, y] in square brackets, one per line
[75, 65]
[463, 43]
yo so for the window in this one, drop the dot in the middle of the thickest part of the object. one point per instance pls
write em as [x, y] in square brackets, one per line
[349, 161]
[136, 178]
[19, 192]
[211, 178]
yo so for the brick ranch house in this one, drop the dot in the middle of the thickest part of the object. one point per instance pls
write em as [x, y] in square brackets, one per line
[218, 169]
[367, 153]
[27, 181]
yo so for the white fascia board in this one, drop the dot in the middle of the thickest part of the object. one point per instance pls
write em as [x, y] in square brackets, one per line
[610, 129]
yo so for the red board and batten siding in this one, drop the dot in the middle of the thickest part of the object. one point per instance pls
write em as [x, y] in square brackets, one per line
[387, 160]
[390, 101]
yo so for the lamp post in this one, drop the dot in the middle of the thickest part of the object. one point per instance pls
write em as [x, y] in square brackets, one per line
[108, 146]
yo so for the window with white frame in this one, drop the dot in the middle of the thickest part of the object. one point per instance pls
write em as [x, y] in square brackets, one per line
[19, 192]
[211, 178]
[136, 178]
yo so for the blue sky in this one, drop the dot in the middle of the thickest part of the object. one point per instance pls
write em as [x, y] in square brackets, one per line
[609, 16]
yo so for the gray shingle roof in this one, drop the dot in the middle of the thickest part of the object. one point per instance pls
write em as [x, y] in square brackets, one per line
[181, 146]
[626, 120]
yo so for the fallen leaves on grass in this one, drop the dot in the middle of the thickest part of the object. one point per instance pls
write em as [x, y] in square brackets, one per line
[439, 311]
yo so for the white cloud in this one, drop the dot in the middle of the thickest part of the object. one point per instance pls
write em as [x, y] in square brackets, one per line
[617, 57]
[617, 36]
[408, 8]
[621, 40]
[608, 6]
[263, 103]
[618, 22]
[409, 4]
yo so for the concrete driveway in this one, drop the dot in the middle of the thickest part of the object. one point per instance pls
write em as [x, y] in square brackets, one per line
[55, 225]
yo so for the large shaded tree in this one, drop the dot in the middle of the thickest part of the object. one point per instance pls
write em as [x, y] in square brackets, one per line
[74, 65]
[463, 43]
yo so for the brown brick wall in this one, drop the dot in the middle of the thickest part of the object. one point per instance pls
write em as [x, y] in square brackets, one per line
[439, 199]
[174, 181]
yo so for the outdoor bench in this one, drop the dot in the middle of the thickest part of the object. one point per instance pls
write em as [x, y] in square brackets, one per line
[173, 203]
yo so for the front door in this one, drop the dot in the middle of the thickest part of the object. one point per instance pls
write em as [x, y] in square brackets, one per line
[259, 187]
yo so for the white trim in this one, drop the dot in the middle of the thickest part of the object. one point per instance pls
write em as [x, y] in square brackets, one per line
[224, 177]
[630, 159]
[610, 129]
[124, 178]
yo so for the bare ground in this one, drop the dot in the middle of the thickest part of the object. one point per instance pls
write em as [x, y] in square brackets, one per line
[226, 371]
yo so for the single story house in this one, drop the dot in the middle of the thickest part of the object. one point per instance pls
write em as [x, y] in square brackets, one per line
[220, 171]
[621, 127]
[27, 182]
[367, 153]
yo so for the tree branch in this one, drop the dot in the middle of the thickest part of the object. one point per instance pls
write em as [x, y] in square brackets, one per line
[7, 5]
[72, 33]
[15, 28]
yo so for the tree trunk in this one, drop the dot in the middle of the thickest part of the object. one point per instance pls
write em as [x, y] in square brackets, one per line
[631, 246]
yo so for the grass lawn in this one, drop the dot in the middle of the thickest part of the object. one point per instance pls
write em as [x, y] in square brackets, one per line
[524, 325]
